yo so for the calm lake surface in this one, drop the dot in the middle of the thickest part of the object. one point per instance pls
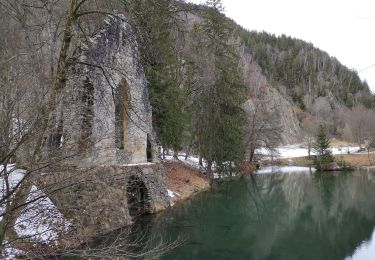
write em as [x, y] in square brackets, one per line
[284, 213]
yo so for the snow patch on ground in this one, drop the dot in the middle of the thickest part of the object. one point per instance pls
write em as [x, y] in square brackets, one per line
[15, 176]
[139, 164]
[299, 150]
[40, 221]
[191, 160]
[172, 194]
[284, 169]
[10, 253]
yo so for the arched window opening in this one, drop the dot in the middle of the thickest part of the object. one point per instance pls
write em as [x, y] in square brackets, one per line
[138, 197]
[122, 101]
[87, 114]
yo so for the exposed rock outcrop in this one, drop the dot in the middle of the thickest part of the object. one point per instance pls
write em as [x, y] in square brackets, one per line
[274, 102]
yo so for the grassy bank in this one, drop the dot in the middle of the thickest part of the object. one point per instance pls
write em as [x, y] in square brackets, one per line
[355, 160]
[184, 180]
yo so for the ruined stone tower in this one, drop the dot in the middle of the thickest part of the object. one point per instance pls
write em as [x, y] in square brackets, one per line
[107, 135]
[108, 115]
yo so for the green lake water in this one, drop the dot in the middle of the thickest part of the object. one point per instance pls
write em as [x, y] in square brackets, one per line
[286, 214]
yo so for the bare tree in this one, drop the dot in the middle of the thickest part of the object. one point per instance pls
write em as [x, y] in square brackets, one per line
[262, 130]
[39, 47]
[360, 123]
[309, 125]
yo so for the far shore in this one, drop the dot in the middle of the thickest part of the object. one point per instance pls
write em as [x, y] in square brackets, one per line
[357, 160]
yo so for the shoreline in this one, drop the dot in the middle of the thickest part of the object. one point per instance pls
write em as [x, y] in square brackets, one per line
[185, 180]
[354, 161]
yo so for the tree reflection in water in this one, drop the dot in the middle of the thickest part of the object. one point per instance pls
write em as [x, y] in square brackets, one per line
[274, 216]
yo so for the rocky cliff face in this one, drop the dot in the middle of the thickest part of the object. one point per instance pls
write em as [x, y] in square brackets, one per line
[287, 119]
[260, 90]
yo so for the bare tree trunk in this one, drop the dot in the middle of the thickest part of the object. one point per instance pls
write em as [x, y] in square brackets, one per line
[18, 200]
[368, 155]
[209, 169]
[251, 155]
[175, 155]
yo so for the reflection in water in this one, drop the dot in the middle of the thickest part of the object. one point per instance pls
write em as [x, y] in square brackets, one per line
[274, 216]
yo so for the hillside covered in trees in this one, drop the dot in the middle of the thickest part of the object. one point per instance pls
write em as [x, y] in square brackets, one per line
[304, 69]
[215, 90]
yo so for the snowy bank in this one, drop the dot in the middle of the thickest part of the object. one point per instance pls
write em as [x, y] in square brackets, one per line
[284, 169]
[299, 150]
[39, 222]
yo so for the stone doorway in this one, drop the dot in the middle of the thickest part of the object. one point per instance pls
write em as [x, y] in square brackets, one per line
[138, 197]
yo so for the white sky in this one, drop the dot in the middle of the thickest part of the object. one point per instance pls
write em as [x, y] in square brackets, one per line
[343, 28]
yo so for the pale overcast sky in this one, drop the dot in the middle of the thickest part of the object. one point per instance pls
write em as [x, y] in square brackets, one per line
[343, 28]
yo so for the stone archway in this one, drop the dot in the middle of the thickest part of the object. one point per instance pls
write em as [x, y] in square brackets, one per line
[138, 197]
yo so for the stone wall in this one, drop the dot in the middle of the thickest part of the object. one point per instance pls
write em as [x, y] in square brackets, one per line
[108, 117]
[106, 131]
[96, 200]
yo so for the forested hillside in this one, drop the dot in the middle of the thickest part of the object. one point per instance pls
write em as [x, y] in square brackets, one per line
[214, 85]
[202, 85]
[303, 69]
[310, 87]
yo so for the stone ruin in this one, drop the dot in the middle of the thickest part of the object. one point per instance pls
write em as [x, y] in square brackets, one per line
[108, 117]
[113, 172]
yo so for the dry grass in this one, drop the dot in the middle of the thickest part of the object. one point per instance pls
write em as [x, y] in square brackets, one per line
[247, 168]
[357, 160]
[185, 180]
[340, 143]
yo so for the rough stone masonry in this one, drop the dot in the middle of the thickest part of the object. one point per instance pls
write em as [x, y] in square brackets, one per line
[107, 133]
[108, 114]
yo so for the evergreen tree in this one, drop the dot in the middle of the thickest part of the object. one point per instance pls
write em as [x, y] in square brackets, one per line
[322, 148]
[155, 22]
[221, 118]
